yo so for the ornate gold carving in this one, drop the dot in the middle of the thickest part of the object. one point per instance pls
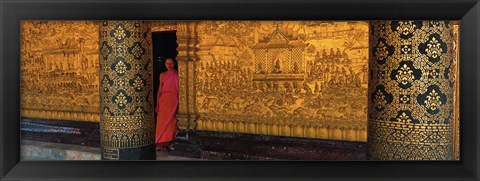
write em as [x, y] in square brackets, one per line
[119, 33]
[61, 115]
[59, 70]
[182, 58]
[381, 51]
[381, 102]
[433, 49]
[349, 134]
[456, 73]
[277, 78]
[186, 38]
[417, 123]
[433, 101]
[405, 75]
[157, 26]
[127, 98]
[404, 118]
[121, 99]
[120, 68]
[138, 83]
[410, 137]
[406, 27]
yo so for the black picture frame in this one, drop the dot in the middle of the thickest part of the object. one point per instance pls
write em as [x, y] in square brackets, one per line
[12, 12]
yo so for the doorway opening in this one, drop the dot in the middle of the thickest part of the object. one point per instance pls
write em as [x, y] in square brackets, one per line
[164, 45]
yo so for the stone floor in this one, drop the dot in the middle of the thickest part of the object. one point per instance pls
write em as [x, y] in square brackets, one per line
[36, 150]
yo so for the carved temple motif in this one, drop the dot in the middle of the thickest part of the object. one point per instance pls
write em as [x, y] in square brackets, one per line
[301, 79]
[59, 65]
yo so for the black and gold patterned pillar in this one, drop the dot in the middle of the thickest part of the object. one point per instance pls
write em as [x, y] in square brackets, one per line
[410, 91]
[127, 125]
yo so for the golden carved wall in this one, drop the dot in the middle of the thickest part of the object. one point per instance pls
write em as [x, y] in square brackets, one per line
[236, 59]
[59, 70]
[300, 79]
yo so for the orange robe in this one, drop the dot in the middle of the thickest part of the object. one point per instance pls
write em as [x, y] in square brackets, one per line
[167, 106]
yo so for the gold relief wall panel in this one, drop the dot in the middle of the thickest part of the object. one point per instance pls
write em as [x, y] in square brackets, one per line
[59, 70]
[300, 79]
[157, 26]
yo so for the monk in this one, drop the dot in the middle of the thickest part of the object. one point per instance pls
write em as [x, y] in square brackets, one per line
[167, 106]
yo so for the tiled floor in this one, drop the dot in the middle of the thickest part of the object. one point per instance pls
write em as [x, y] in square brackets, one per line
[35, 150]
[165, 156]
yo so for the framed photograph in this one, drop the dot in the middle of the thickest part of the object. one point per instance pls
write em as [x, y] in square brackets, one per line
[268, 60]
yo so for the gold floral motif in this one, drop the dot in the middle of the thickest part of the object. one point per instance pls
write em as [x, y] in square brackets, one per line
[435, 23]
[380, 100]
[120, 82]
[405, 49]
[121, 100]
[139, 111]
[119, 33]
[138, 67]
[120, 49]
[405, 75]
[105, 84]
[406, 27]
[104, 51]
[404, 99]
[120, 68]
[403, 118]
[433, 48]
[138, 83]
[137, 51]
[433, 100]
[434, 74]
[381, 52]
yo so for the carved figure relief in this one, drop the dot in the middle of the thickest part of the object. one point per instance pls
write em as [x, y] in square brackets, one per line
[59, 67]
[283, 73]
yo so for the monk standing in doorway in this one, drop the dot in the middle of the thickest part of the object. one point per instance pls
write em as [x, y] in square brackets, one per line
[167, 106]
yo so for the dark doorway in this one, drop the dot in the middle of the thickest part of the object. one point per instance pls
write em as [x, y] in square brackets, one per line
[164, 45]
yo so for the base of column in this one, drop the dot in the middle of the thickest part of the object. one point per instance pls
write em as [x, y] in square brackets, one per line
[138, 153]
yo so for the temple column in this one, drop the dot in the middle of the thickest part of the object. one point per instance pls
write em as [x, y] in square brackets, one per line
[411, 91]
[186, 38]
[127, 126]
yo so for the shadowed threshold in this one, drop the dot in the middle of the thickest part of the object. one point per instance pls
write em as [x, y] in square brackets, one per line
[37, 150]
